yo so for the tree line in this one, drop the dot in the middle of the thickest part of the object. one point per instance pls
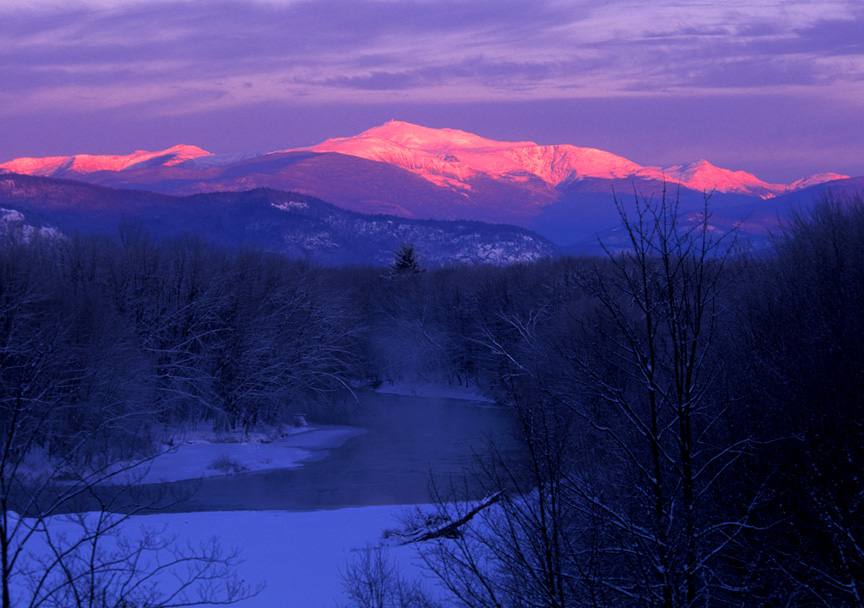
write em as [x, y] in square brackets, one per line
[687, 409]
[106, 342]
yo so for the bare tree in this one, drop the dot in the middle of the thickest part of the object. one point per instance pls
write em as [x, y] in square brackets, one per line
[518, 546]
[650, 377]
[373, 580]
[804, 321]
[73, 419]
[286, 339]
[625, 493]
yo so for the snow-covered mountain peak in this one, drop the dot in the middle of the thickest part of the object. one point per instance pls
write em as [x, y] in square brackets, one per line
[452, 157]
[465, 163]
[180, 153]
[815, 180]
[702, 175]
[90, 163]
[416, 137]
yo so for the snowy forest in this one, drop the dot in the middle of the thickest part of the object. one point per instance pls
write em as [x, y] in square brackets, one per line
[687, 409]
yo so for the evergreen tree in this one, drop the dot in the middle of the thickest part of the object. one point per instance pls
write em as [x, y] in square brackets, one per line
[405, 261]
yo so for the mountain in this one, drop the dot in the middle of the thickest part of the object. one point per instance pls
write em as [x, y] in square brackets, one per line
[286, 222]
[454, 158]
[83, 164]
[566, 193]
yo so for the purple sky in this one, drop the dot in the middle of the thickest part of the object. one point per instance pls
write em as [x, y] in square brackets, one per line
[774, 87]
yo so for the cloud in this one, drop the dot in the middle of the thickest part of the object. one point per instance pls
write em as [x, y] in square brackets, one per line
[831, 37]
[502, 73]
[465, 49]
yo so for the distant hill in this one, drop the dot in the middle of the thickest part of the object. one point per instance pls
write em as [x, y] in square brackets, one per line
[294, 224]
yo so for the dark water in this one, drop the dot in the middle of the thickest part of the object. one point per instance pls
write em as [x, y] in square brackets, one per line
[407, 440]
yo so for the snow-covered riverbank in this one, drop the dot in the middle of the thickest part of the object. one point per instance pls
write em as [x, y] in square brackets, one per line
[189, 454]
[194, 454]
[300, 555]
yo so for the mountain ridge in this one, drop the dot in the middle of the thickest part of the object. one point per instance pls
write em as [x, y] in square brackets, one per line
[445, 157]
[564, 192]
[57, 166]
[454, 157]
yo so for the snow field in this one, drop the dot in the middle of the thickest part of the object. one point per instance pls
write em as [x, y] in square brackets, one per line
[298, 555]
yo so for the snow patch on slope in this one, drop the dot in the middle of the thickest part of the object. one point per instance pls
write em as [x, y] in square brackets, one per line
[13, 225]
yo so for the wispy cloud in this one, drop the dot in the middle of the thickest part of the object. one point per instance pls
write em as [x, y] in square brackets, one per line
[235, 53]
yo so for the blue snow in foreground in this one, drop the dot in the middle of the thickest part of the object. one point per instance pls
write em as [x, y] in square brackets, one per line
[299, 556]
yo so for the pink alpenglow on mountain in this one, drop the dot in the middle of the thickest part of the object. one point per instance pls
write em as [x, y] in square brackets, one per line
[704, 176]
[87, 163]
[564, 192]
[451, 157]
[448, 158]
[815, 180]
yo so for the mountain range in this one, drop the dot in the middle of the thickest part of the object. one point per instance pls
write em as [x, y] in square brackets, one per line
[564, 192]
[294, 224]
